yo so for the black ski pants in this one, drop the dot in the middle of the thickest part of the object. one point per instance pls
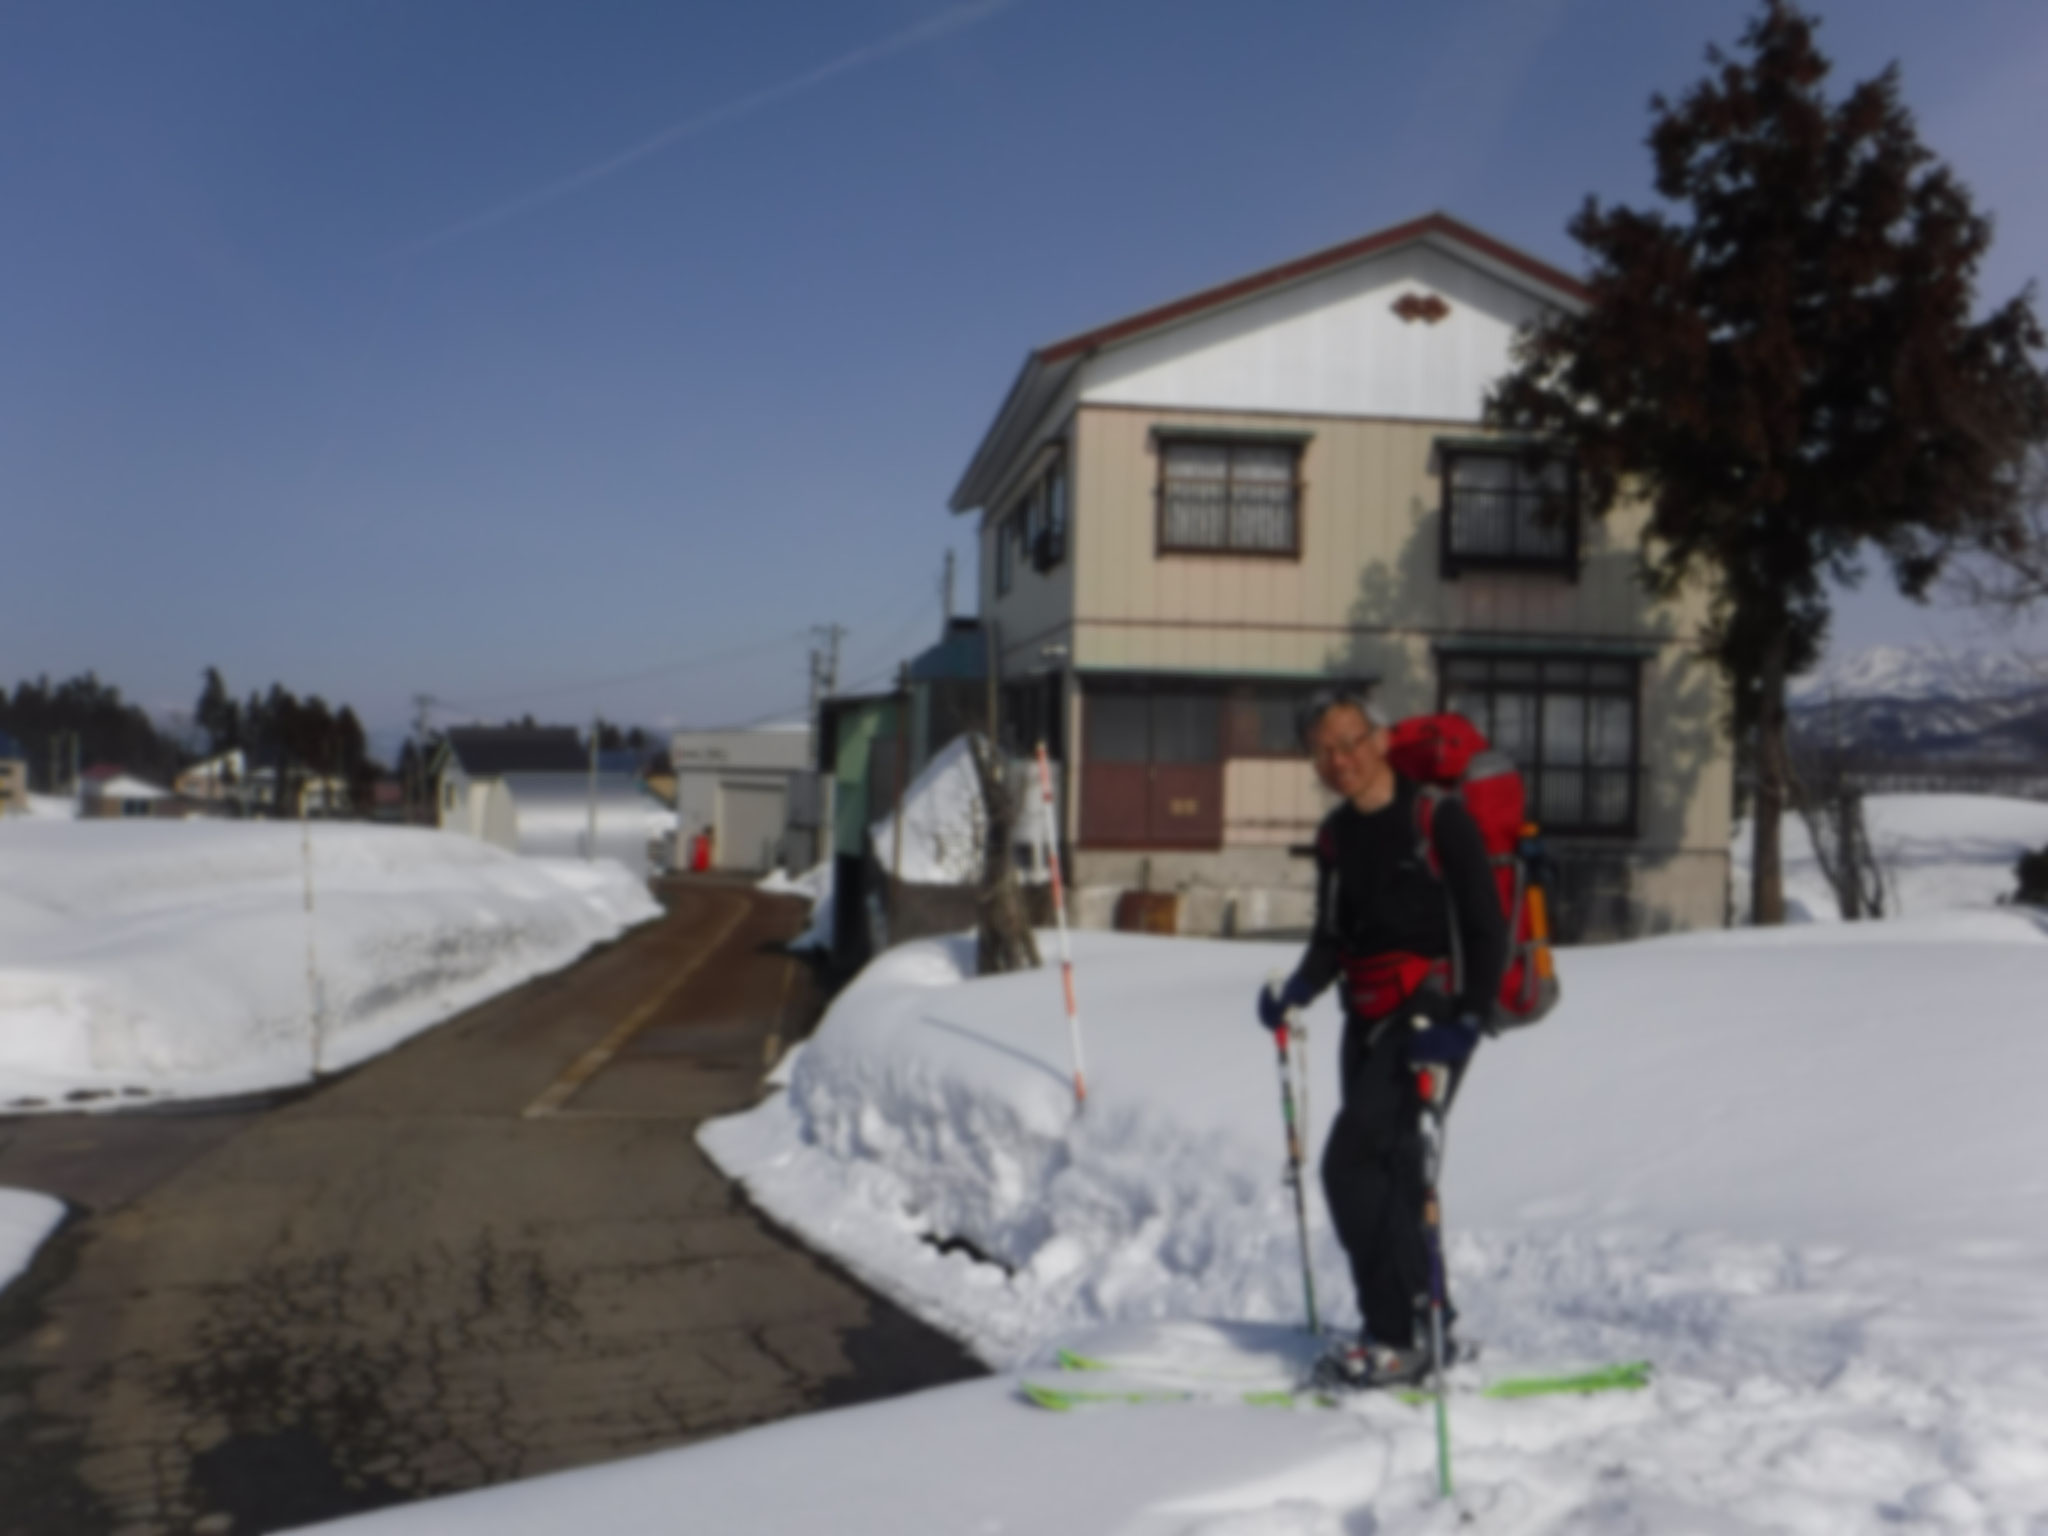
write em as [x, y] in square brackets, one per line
[1373, 1179]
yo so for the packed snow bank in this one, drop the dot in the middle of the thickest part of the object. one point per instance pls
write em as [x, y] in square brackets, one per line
[53, 807]
[1800, 1171]
[1746, 1082]
[942, 823]
[1937, 852]
[26, 1218]
[815, 886]
[171, 959]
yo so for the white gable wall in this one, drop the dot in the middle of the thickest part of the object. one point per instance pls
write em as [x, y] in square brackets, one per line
[1332, 346]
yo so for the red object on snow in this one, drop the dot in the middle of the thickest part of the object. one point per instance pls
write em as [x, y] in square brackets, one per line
[700, 853]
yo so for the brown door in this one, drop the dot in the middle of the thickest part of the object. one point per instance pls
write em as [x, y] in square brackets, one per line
[1151, 774]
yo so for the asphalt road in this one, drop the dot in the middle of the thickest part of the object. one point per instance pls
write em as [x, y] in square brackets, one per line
[493, 1253]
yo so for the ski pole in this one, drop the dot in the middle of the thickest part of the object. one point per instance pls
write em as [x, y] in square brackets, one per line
[1433, 1085]
[1293, 1129]
[1050, 827]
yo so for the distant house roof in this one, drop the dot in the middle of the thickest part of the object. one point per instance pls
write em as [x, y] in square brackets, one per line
[122, 786]
[487, 752]
[10, 748]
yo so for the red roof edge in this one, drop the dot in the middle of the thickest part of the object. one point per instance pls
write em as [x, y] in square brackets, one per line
[1336, 255]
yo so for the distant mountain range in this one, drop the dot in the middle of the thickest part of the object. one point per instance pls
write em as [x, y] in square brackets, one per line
[1912, 704]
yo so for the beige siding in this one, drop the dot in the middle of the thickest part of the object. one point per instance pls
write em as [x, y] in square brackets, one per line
[1370, 528]
[1270, 802]
[1366, 598]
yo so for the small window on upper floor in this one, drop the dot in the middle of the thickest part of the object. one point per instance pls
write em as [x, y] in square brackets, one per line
[1508, 507]
[1049, 545]
[1228, 497]
[1040, 517]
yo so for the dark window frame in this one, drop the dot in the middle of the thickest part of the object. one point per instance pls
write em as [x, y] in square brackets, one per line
[1451, 662]
[1244, 741]
[1049, 550]
[1231, 444]
[1456, 561]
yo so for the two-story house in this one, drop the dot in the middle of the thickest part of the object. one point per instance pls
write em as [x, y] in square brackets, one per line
[1193, 517]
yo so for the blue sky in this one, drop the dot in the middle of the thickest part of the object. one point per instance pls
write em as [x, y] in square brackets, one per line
[579, 357]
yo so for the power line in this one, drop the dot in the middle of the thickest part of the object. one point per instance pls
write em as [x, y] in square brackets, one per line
[593, 685]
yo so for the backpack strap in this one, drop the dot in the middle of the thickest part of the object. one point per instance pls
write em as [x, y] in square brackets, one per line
[1427, 798]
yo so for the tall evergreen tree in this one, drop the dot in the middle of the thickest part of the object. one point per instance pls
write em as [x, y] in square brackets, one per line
[1783, 364]
[218, 714]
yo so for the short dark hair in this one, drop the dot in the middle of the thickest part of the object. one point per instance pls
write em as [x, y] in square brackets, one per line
[1356, 696]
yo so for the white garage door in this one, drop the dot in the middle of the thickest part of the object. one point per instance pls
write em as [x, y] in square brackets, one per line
[750, 821]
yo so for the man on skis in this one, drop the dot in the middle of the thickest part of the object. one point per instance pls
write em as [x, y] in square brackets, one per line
[1421, 952]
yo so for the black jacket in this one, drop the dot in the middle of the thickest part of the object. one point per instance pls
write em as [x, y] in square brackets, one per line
[1376, 894]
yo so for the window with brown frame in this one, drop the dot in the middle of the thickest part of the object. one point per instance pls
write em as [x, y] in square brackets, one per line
[1224, 496]
[1572, 724]
[1509, 508]
[1264, 719]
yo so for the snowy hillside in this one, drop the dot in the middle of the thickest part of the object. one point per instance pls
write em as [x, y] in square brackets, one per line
[178, 959]
[1915, 672]
[1897, 703]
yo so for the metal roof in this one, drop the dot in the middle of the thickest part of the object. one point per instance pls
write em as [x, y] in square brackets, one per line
[488, 752]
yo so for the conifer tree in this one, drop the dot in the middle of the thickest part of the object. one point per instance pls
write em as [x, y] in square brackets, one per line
[1785, 364]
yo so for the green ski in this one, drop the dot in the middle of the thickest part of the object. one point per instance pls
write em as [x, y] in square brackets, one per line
[1125, 1389]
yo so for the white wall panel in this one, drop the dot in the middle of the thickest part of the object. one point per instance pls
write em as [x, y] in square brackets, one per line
[1332, 345]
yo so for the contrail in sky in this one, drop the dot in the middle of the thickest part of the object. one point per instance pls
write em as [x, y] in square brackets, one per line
[946, 23]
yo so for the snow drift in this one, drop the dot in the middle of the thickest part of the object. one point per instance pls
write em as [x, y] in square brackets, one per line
[1938, 852]
[179, 959]
[26, 1218]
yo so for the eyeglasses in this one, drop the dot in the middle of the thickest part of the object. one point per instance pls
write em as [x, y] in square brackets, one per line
[1324, 751]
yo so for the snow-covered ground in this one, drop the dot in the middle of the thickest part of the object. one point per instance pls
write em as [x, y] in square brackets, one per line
[26, 1218]
[143, 960]
[1802, 1171]
[1939, 853]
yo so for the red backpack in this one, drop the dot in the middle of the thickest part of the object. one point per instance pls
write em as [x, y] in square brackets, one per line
[1447, 756]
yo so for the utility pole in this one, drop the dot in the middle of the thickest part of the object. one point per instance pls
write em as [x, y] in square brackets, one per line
[946, 595]
[825, 662]
[417, 790]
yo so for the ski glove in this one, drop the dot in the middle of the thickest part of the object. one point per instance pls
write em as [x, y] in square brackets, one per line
[1275, 1003]
[1444, 1042]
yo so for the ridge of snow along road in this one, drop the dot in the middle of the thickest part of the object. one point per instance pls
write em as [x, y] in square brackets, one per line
[171, 959]
[1798, 1169]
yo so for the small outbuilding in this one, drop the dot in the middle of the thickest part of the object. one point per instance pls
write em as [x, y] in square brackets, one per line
[533, 791]
[751, 795]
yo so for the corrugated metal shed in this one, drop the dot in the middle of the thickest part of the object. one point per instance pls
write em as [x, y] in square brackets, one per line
[552, 814]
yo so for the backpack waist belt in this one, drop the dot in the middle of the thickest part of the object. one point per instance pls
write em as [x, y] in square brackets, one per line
[1375, 985]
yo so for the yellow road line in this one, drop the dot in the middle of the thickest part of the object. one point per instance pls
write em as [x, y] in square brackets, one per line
[594, 1060]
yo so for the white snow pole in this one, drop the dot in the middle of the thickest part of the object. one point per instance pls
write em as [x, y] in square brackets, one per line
[315, 1002]
[1049, 830]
